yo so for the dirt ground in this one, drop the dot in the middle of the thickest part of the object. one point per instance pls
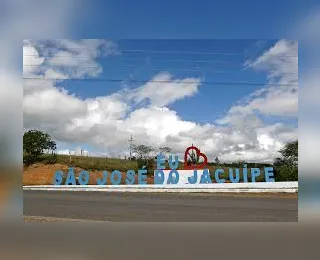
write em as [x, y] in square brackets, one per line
[43, 174]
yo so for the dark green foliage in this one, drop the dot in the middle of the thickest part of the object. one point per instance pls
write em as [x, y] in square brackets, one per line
[141, 163]
[34, 144]
[145, 157]
[148, 164]
[286, 173]
[286, 167]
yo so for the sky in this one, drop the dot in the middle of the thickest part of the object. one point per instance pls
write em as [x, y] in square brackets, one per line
[231, 98]
[235, 98]
[222, 19]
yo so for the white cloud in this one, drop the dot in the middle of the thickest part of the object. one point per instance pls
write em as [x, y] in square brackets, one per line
[61, 59]
[280, 97]
[53, 74]
[163, 89]
[34, 19]
[276, 102]
[32, 59]
[50, 106]
[156, 123]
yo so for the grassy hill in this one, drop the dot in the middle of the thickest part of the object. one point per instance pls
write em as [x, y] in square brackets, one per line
[97, 163]
[109, 164]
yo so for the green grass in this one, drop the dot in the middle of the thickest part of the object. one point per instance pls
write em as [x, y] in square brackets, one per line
[95, 163]
[110, 164]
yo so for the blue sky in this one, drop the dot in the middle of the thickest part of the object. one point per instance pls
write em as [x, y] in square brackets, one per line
[210, 41]
[190, 19]
[211, 60]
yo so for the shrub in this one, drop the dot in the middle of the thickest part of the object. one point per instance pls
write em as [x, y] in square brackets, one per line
[149, 164]
[286, 173]
[34, 144]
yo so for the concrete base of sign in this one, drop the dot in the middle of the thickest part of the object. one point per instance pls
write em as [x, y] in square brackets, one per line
[183, 176]
[257, 187]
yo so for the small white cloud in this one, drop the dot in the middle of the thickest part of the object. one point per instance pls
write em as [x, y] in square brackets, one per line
[163, 89]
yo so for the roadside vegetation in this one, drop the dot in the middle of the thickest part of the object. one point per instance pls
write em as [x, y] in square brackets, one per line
[38, 148]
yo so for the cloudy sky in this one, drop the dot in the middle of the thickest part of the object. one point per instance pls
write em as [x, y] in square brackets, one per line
[235, 99]
[163, 19]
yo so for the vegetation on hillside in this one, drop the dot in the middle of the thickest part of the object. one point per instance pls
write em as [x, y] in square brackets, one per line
[35, 143]
[93, 163]
[286, 166]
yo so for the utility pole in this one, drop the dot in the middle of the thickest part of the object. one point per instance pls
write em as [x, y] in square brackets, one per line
[130, 147]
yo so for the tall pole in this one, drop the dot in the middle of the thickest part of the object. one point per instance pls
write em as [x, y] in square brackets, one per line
[130, 147]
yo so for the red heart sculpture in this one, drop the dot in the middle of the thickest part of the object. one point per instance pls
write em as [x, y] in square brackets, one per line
[199, 154]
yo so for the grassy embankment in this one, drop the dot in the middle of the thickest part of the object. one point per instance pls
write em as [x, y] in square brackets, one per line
[43, 172]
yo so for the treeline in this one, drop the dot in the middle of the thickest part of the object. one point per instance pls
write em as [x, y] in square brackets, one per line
[35, 143]
[38, 147]
[285, 166]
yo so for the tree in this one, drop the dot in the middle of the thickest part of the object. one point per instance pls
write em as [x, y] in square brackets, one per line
[290, 153]
[34, 144]
[279, 161]
[165, 150]
[142, 151]
[145, 158]
[217, 160]
[286, 166]
[239, 163]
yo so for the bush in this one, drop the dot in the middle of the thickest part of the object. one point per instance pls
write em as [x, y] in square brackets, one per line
[30, 159]
[149, 164]
[286, 167]
[51, 159]
[286, 173]
[34, 144]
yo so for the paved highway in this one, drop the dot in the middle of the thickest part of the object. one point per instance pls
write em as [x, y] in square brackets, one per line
[141, 207]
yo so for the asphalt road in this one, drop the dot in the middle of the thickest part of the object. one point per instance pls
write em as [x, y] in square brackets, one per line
[142, 207]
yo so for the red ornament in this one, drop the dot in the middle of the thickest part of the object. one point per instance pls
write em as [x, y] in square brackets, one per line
[194, 159]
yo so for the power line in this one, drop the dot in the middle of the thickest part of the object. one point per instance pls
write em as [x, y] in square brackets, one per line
[58, 56]
[128, 66]
[141, 50]
[164, 81]
[192, 69]
[161, 52]
[147, 51]
[61, 66]
[156, 59]
[173, 60]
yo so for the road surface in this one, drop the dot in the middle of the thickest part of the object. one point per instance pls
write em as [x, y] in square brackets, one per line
[159, 207]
